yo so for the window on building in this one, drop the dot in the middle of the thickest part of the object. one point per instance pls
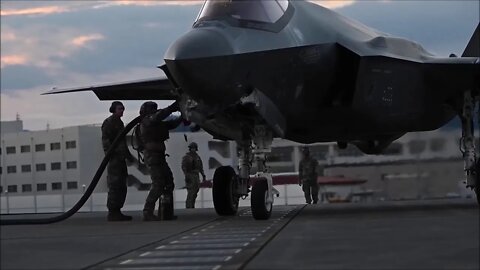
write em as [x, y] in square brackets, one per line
[55, 146]
[437, 144]
[319, 152]
[26, 168]
[27, 188]
[223, 148]
[72, 185]
[40, 167]
[25, 149]
[417, 146]
[56, 186]
[12, 188]
[11, 150]
[350, 151]
[11, 169]
[281, 154]
[40, 147]
[1, 189]
[70, 144]
[213, 163]
[41, 187]
[55, 166]
[1, 171]
[71, 164]
[393, 150]
[282, 169]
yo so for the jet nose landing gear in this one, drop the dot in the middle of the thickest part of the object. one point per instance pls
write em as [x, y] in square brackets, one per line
[228, 187]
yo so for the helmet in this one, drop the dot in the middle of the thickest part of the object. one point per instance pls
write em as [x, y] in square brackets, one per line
[114, 105]
[148, 107]
[193, 145]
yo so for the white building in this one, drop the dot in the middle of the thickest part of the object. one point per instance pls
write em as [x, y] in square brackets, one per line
[60, 163]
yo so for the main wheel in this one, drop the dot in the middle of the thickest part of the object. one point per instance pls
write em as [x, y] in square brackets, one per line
[261, 209]
[224, 198]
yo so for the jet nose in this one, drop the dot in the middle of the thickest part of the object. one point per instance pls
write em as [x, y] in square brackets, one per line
[199, 43]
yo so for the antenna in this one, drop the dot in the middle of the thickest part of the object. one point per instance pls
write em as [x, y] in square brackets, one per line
[17, 117]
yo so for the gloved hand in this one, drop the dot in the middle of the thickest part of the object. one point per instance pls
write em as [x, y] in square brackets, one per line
[300, 184]
[174, 107]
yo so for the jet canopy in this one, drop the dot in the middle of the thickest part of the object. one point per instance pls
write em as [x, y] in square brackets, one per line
[264, 11]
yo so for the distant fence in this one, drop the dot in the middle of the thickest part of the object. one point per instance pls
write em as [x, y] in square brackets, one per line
[289, 195]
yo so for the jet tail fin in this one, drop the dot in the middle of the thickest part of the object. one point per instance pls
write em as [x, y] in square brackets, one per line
[473, 47]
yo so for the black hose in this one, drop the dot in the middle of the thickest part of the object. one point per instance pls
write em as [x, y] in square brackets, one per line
[89, 190]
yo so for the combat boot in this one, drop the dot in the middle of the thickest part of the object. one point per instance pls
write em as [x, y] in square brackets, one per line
[117, 216]
[149, 216]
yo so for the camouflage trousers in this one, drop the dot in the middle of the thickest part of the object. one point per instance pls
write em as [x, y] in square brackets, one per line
[192, 183]
[162, 179]
[310, 188]
[117, 183]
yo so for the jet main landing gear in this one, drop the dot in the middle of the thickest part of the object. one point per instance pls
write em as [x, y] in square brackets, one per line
[471, 161]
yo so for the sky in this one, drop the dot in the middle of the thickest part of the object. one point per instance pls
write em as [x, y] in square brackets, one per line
[63, 44]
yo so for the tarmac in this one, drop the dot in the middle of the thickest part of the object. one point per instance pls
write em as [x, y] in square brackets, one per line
[437, 234]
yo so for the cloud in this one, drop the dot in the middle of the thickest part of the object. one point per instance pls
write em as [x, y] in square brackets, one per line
[28, 44]
[7, 36]
[105, 4]
[34, 11]
[13, 60]
[43, 8]
[72, 109]
[333, 3]
[82, 41]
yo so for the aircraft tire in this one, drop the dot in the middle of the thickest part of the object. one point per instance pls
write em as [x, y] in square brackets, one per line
[261, 210]
[224, 199]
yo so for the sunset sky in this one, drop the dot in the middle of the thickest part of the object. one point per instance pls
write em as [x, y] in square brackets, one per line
[47, 44]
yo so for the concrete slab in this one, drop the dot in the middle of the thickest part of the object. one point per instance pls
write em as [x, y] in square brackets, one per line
[390, 235]
[435, 235]
[87, 239]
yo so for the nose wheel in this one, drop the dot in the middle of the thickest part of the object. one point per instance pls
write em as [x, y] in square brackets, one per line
[260, 204]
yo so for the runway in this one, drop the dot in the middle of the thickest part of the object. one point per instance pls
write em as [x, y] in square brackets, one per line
[390, 235]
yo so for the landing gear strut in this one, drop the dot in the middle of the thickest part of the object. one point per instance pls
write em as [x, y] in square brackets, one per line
[471, 162]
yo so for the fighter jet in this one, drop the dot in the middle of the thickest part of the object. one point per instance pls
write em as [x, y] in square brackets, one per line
[251, 71]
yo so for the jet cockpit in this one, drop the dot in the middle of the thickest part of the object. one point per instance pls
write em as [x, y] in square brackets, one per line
[271, 15]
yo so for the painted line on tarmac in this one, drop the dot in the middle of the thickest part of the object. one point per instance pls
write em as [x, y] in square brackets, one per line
[226, 243]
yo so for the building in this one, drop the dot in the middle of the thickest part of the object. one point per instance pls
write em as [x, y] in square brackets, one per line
[51, 167]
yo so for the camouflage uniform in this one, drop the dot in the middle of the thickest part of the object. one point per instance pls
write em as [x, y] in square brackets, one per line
[117, 167]
[192, 166]
[153, 133]
[308, 176]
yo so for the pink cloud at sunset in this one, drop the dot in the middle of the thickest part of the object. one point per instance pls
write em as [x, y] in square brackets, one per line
[34, 11]
[10, 60]
[82, 41]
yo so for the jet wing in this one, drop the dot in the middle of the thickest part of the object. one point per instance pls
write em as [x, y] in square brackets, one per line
[148, 89]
